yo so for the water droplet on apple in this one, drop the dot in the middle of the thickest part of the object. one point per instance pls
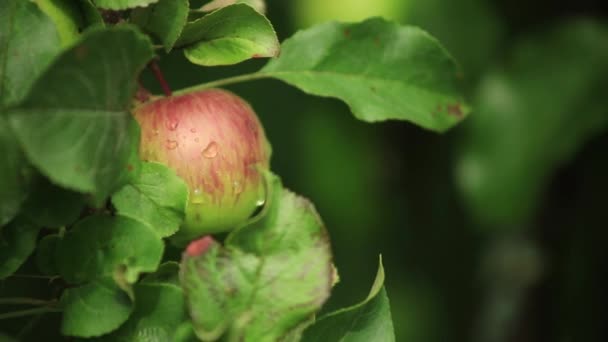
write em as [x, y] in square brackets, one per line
[172, 144]
[210, 151]
[197, 197]
[172, 124]
[237, 187]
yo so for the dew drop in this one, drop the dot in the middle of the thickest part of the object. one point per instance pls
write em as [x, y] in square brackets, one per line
[172, 124]
[197, 197]
[210, 151]
[237, 187]
[260, 202]
[172, 144]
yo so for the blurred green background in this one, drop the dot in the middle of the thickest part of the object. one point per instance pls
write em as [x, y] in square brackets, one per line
[494, 231]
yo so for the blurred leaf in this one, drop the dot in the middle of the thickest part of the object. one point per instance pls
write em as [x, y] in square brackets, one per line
[165, 20]
[157, 198]
[159, 311]
[66, 16]
[45, 254]
[94, 309]
[122, 4]
[228, 36]
[369, 320]
[381, 70]
[533, 115]
[74, 124]
[258, 5]
[15, 174]
[311, 12]
[270, 276]
[6, 338]
[25, 53]
[17, 242]
[474, 44]
[51, 206]
[102, 245]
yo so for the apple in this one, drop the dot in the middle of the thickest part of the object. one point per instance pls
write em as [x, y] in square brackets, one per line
[214, 141]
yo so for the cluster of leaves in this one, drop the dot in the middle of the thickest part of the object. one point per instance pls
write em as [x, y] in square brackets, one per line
[75, 195]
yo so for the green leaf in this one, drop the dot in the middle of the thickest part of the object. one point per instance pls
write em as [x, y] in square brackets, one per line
[533, 115]
[45, 254]
[15, 174]
[383, 71]
[51, 206]
[369, 320]
[229, 35]
[74, 125]
[94, 309]
[157, 198]
[17, 242]
[122, 4]
[271, 275]
[25, 53]
[164, 20]
[102, 246]
[159, 311]
[258, 5]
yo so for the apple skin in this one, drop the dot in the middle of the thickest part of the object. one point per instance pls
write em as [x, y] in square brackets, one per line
[214, 141]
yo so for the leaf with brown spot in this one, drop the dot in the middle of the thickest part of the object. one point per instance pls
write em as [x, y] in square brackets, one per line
[268, 279]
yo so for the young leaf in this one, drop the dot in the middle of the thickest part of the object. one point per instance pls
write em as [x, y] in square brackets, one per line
[103, 245]
[522, 130]
[229, 35]
[157, 198]
[159, 311]
[17, 242]
[381, 70]
[25, 54]
[272, 274]
[122, 4]
[369, 320]
[94, 309]
[15, 174]
[74, 124]
[165, 20]
[51, 206]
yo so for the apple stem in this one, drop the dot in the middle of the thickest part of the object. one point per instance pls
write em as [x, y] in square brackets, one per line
[160, 78]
